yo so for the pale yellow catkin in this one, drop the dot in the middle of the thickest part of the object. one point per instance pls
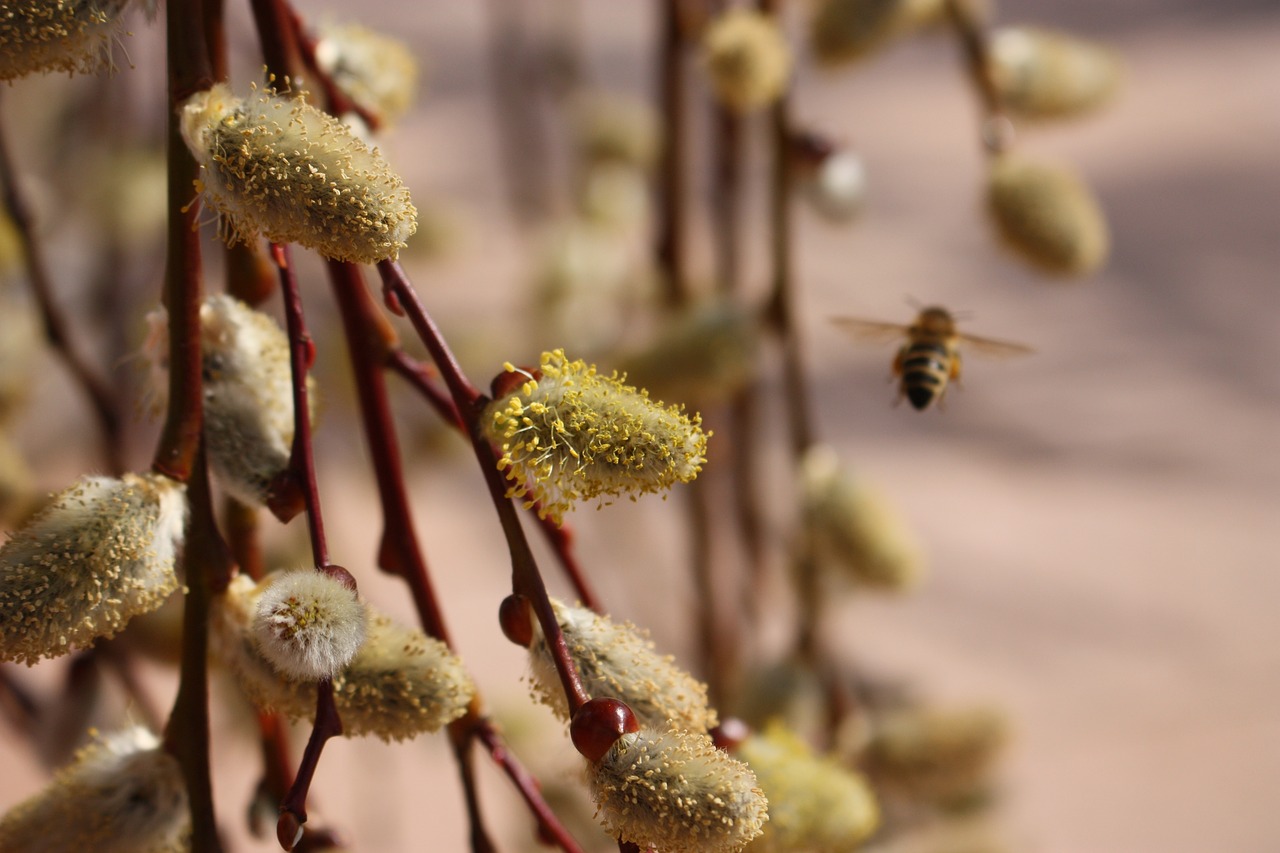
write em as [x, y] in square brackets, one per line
[57, 35]
[400, 684]
[618, 661]
[938, 755]
[281, 168]
[100, 553]
[376, 71]
[747, 59]
[674, 791]
[844, 31]
[1043, 74]
[1048, 215]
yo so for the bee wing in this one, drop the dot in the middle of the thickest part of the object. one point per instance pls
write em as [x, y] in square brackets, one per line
[993, 348]
[870, 330]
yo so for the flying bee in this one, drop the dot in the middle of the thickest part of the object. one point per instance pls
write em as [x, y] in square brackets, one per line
[930, 358]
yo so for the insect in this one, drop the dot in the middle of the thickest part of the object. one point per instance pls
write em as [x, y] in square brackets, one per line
[930, 358]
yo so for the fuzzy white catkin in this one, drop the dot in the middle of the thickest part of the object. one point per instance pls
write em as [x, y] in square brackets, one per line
[376, 71]
[248, 393]
[102, 552]
[122, 794]
[282, 168]
[308, 625]
[66, 35]
[400, 684]
[618, 661]
[674, 791]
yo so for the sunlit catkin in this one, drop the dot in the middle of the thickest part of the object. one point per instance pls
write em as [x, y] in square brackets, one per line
[1045, 74]
[102, 552]
[747, 59]
[122, 794]
[400, 684]
[844, 31]
[571, 434]
[942, 756]
[618, 661]
[815, 805]
[852, 528]
[57, 35]
[1047, 215]
[282, 168]
[248, 393]
[671, 790]
[374, 70]
[309, 625]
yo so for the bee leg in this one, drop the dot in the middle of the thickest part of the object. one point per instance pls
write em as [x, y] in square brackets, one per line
[954, 373]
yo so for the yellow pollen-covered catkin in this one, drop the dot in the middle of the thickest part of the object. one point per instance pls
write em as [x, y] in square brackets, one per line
[400, 684]
[573, 434]
[57, 35]
[815, 805]
[843, 31]
[121, 794]
[100, 553]
[1043, 74]
[282, 168]
[747, 59]
[1047, 215]
[672, 790]
[376, 71]
[618, 661]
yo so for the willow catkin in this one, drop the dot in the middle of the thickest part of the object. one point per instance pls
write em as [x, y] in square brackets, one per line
[570, 433]
[944, 756]
[401, 683]
[815, 804]
[747, 59]
[102, 552]
[376, 71]
[122, 794]
[309, 625]
[674, 791]
[843, 31]
[617, 660]
[57, 35]
[281, 168]
[1044, 74]
[1047, 215]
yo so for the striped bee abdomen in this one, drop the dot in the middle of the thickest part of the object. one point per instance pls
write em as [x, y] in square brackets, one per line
[926, 367]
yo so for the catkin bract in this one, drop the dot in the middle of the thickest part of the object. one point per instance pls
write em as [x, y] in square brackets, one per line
[674, 791]
[56, 35]
[400, 684]
[122, 794]
[619, 662]
[571, 434]
[281, 168]
[102, 552]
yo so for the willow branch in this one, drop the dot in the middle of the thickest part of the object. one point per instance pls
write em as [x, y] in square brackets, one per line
[966, 22]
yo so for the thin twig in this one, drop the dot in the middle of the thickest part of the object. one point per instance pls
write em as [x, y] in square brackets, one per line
[965, 20]
[672, 215]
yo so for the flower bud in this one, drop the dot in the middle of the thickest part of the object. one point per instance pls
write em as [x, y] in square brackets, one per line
[1045, 74]
[618, 661]
[376, 71]
[284, 169]
[849, 30]
[708, 352]
[814, 804]
[248, 393]
[308, 625]
[939, 756]
[835, 185]
[573, 434]
[102, 552]
[672, 790]
[853, 528]
[400, 684]
[68, 35]
[122, 794]
[747, 59]
[1048, 215]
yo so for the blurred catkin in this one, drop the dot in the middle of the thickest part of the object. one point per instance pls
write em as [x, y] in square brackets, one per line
[376, 71]
[281, 168]
[57, 35]
[747, 59]
[618, 661]
[1043, 74]
[1048, 215]
[940, 756]
[102, 552]
[843, 31]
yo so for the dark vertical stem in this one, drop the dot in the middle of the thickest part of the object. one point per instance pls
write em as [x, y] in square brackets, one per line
[208, 566]
[241, 523]
[526, 579]
[293, 809]
[278, 38]
[672, 214]
[56, 331]
[997, 130]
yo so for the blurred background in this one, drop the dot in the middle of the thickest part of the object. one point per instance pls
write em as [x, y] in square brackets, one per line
[1098, 519]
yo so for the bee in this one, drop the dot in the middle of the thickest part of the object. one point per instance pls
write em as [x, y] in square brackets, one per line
[930, 358]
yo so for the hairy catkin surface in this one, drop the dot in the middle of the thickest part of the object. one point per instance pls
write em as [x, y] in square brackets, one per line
[56, 35]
